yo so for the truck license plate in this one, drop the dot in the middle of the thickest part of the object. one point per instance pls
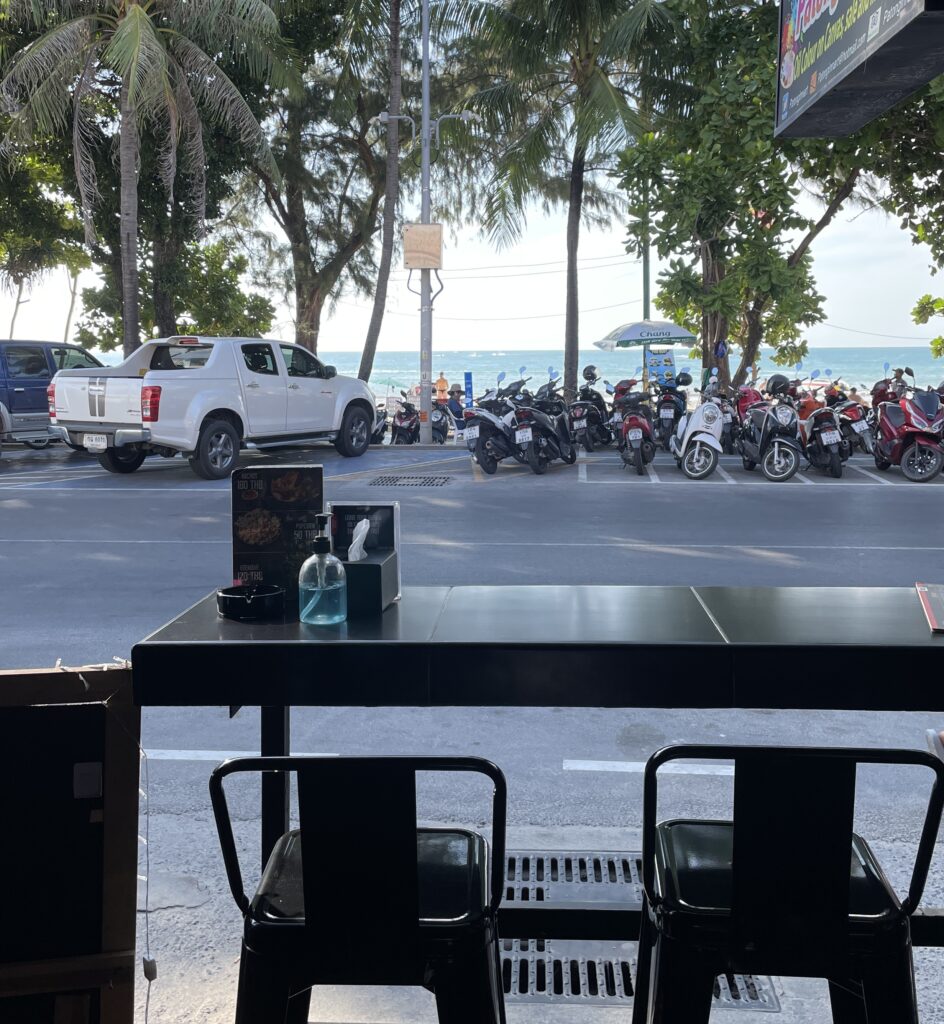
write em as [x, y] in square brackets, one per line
[523, 436]
[95, 442]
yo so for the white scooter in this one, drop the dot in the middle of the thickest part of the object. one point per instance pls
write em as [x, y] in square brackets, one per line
[696, 443]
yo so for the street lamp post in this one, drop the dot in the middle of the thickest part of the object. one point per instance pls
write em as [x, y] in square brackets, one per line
[429, 133]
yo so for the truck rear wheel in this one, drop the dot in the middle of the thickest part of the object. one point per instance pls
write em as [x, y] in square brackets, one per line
[354, 435]
[217, 450]
[121, 460]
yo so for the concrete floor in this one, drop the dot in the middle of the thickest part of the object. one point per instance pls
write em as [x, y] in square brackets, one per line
[92, 562]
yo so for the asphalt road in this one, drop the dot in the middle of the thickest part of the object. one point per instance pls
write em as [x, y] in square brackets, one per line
[91, 562]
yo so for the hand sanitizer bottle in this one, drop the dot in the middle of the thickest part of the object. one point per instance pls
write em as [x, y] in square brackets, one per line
[322, 582]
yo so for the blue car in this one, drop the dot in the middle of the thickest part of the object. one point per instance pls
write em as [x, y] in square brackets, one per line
[26, 368]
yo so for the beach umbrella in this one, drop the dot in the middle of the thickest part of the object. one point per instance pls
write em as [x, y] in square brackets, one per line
[644, 333]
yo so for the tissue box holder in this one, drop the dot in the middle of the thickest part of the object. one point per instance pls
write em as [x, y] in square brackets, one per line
[371, 583]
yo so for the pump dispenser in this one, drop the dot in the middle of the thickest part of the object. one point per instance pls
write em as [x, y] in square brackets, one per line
[322, 582]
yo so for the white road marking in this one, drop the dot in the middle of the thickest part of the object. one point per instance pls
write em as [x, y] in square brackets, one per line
[638, 767]
[802, 477]
[725, 475]
[872, 476]
[212, 755]
[653, 475]
[582, 472]
[647, 546]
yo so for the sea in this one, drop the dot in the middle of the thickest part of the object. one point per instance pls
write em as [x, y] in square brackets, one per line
[393, 370]
[856, 367]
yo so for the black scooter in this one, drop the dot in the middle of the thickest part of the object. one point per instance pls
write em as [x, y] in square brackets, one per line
[540, 427]
[589, 415]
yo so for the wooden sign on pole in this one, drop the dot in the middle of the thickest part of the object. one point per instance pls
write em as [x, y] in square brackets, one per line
[422, 246]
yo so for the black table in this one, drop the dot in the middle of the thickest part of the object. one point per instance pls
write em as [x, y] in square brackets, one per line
[840, 648]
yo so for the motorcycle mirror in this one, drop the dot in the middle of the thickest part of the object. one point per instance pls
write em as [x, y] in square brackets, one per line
[521, 370]
[403, 393]
[885, 366]
[815, 374]
[638, 371]
[828, 373]
[799, 365]
[502, 376]
[610, 390]
[714, 371]
[910, 372]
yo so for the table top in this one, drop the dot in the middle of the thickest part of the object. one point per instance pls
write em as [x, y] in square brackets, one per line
[815, 647]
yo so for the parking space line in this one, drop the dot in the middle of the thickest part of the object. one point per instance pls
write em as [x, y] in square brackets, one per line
[802, 477]
[872, 476]
[725, 475]
[653, 475]
[582, 472]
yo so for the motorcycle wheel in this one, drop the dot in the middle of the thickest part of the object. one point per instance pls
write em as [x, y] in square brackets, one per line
[835, 465]
[520, 456]
[571, 456]
[781, 471]
[920, 463]
[666, 438]
[438, 438]
[639, 462]
[699, 461]
[748, 465]
[536, 460]
[606, 439]
[586, 439]
[484, 458]
[866, 443]
[398, 438]
[883, 464]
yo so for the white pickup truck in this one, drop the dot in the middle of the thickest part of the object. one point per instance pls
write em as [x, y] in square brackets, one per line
[207, 398]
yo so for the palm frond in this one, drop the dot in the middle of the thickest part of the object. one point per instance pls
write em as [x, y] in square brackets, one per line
[633, 29]
[193, 155]
[137, 54]
[220, 100]
[83, 140]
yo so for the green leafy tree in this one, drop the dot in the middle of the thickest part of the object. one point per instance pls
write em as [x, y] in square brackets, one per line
[208, 293]
[106, 68]
[561, 79]
[927, 307]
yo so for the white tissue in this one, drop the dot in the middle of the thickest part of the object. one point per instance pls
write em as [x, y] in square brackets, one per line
[356, 552]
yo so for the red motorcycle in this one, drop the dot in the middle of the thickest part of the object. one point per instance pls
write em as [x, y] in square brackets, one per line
[635, 439]
[856, 432]
[909, 435]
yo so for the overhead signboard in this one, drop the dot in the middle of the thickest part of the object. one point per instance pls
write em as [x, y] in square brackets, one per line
[845, 62]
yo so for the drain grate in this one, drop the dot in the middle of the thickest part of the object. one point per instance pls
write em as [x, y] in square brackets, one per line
[392, 480]
[573, 877]
[603, 974]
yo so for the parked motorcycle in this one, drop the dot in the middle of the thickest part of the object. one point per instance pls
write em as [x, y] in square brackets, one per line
[856, 432]
[910, 434]
[379, 430]
[541, 429]
[637, 446]
[888, 389]
[670, 407]
[696, 443]
[488, 431]
[769, 435]
[406, 423]
[820, 432]
[589, 415]
[442, 421]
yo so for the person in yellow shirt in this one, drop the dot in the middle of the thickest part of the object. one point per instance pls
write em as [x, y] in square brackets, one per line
[442, 388]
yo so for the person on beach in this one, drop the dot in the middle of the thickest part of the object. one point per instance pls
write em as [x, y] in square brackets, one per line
[856, 397]
[442, 387]
[455, 403]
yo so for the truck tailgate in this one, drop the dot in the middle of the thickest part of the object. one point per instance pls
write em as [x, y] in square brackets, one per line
[101, 400]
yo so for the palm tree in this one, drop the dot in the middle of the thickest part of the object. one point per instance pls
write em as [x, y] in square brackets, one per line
[102, 66]
[562, 95]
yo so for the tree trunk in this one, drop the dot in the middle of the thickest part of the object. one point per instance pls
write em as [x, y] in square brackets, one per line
[310, 296]
[16, 307]
[571, 318]
[754, 321]
[163, 292]
[714, 326]
[128, 164]
[73, 293]
[391, 196]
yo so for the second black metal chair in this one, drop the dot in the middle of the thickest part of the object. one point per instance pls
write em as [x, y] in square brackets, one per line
[786, 888]
[359, 895]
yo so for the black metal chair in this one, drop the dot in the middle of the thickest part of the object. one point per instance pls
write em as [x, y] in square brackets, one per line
[786, 888]
[359, 895]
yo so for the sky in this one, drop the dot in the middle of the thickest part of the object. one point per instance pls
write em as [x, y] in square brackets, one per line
[864, 264]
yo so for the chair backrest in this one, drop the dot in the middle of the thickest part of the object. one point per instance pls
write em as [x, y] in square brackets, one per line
[793, 821]
[357, 817]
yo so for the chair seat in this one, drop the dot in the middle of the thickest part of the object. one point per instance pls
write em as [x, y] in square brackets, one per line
[452, 878]
[693, 871]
